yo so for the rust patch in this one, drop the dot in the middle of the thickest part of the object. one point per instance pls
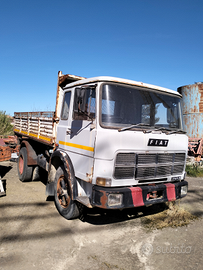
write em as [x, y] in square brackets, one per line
[31, 154]
[89, 176]
[62, 81]
[195, 109]
[68, 78]
[103, 199]
[5, 153]
[7, 147]
[185, 121]
[71, 183]
[200, 89]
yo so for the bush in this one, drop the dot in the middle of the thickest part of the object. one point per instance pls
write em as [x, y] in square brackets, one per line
[194, 170]
[5, 125]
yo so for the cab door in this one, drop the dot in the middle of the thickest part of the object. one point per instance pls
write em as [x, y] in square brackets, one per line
[76, 132]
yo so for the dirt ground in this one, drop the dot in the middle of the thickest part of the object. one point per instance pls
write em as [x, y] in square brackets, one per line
[34, 236]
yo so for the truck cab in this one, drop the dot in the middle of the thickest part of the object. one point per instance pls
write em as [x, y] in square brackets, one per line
[125, 140]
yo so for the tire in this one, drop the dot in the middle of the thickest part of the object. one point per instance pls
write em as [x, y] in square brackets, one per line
[24, 171]
[62, 195]
[39, 174]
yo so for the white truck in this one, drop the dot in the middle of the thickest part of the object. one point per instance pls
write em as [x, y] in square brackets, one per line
[111, 143]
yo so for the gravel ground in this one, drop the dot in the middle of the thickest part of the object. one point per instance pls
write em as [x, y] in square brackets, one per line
[34, 236]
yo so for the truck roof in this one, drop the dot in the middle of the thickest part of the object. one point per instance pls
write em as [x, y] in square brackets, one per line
[122, 81]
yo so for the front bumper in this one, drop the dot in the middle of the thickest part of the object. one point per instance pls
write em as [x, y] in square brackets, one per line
[138, 196]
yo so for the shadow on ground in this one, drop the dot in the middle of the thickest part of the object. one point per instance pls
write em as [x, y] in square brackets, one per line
[97, 216]
[4, 170]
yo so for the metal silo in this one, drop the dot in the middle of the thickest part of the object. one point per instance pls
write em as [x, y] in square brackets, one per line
[192, 106]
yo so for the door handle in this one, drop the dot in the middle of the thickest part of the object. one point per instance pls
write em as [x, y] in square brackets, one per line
[68, 131]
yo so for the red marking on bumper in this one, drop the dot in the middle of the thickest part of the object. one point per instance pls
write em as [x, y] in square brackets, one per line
[137, 196]
[170, 191]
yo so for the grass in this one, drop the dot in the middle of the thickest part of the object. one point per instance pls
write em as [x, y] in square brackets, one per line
[194, 170]
[173, 216]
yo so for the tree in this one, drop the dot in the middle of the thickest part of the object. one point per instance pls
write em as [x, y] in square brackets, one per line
[5, 125]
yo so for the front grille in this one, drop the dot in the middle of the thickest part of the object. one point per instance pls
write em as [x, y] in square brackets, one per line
[178, 169]
[148, 166]
[145, 172]
[126, 158]
[165, 158]
[163, 170]
[146, 159]
[179, 157]
[124, 172]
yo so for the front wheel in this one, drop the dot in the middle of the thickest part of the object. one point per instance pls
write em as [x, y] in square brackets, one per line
[62, 195]
[24, 171]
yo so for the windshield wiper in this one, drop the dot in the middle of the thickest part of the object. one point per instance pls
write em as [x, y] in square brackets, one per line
[132, 126]
[169, 131]
[176, 131]
[156, 129]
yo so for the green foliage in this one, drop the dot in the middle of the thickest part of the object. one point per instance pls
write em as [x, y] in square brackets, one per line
[194, 170]
[5, 125]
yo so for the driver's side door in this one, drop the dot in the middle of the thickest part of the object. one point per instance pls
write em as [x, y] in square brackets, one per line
[76, 133]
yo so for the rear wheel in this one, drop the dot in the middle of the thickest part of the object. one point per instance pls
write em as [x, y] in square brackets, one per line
[39, 174]
[24, 171]
[62, 195]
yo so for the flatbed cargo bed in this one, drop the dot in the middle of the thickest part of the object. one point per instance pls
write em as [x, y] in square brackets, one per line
[39, 126]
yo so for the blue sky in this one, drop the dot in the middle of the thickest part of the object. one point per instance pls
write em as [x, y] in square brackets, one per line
[154, 41]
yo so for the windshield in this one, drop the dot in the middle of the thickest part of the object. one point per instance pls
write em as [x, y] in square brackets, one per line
[122, 106]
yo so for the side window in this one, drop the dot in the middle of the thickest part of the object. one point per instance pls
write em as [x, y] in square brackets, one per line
[91, 102]
[88, 110]
[66, 106]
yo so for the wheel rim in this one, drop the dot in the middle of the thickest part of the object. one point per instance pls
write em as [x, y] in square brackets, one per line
[21, 165]
[62, 192]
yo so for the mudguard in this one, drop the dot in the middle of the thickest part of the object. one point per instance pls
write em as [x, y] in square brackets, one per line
[67, 166]
[31, 154]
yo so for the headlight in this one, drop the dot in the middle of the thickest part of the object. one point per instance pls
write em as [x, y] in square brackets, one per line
[183, 190]
[115, 199]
